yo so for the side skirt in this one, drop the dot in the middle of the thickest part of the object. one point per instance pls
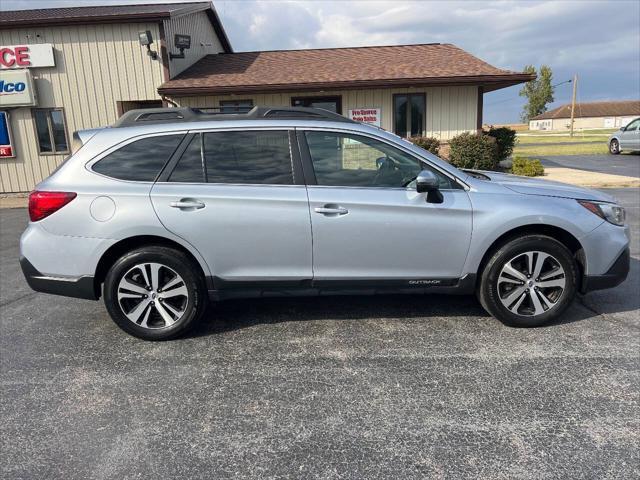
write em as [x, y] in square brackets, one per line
[224, 289]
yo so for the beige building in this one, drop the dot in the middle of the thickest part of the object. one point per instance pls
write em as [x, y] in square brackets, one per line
[588, 115]
[68, 69]
[85, 67]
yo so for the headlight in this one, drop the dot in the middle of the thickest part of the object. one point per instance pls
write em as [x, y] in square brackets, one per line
[608, 211]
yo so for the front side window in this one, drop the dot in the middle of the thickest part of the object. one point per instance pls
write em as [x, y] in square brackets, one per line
[409, 114]
[235, 106]
[51, 131]
[247, 157]
[346, 160]
[139, 161]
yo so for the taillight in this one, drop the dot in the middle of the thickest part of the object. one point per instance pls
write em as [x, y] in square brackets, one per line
[43, 204]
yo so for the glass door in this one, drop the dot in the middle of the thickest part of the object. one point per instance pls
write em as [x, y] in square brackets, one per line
[409, 114]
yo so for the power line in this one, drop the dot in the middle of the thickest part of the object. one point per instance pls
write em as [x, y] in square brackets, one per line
[516, 98]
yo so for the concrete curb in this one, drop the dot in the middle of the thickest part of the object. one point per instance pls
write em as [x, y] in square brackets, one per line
[14, 202]
[585, 178]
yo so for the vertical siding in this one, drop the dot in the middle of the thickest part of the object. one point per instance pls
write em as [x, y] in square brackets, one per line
[96, 66]
[204, 40]
[450, 110]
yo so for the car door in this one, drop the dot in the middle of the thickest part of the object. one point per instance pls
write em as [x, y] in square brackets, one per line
[238, 199]
[367, 225]
[630, 137]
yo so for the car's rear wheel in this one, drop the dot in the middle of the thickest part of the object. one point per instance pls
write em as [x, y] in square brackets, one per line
[529, 281]
[614, 147]
[155, 293]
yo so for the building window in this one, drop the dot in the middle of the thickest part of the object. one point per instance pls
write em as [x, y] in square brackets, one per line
[408, 114]
[333, 104]
[235, 106]
[51, 130]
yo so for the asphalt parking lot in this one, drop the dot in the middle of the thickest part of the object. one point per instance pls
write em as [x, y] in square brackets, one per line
[344, 387]
[627, 165]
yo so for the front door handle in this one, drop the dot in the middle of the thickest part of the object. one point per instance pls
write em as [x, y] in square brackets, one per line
[331, 210]
[185, 204]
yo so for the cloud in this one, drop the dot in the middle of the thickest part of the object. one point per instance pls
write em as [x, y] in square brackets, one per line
[598, 40]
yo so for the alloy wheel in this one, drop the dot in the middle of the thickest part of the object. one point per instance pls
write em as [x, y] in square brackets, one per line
[531, 283]
[614, 147]
[152, 295]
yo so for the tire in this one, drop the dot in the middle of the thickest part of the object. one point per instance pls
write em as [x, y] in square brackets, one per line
[509, 295]
[614, 147]
[160, 315]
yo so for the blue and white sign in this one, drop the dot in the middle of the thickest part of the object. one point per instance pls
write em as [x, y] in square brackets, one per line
[6, 145]
[16, 89]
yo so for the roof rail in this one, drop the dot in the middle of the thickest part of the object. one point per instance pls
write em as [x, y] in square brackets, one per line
[147, 116]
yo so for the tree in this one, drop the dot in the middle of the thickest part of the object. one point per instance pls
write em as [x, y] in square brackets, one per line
[539, 92]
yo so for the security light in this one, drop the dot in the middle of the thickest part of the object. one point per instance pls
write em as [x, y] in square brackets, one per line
[181, 42]
[146, 39]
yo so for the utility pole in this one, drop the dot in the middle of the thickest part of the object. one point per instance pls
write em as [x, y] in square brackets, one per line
[573, 102]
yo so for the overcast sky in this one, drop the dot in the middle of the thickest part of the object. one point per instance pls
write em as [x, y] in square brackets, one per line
[600, 41]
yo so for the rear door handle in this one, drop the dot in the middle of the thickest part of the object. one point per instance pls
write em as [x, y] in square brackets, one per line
[327, 210]
[187, 204]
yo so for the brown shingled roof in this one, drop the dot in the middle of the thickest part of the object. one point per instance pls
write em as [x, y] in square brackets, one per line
[363, 67]
[110, 14]
[594, 109]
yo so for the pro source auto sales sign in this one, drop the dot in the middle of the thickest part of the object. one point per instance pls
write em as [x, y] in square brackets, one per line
[366, 115]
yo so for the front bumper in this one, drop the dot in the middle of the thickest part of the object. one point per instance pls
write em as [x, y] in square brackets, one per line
[612, 278]
[78, 287]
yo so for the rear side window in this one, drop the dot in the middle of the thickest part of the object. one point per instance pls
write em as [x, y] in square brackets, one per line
[139, 161]
[258, 157]
[189, 168]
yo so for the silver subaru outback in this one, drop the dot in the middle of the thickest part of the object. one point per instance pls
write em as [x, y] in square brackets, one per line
[171, 208]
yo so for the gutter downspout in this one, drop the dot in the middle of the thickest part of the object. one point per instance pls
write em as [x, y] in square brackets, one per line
[168, 100]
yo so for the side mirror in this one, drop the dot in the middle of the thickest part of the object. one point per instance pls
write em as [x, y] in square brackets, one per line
[426, 181]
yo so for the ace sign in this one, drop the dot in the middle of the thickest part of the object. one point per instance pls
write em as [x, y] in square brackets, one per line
[26, 56]
[366, 115]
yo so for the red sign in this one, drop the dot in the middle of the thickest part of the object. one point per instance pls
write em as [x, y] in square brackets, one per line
[15, 57]
[26, 56]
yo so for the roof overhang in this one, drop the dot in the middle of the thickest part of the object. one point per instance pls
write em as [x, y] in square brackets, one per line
[488, 82]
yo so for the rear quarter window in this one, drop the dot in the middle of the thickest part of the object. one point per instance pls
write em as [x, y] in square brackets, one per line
[141, 160]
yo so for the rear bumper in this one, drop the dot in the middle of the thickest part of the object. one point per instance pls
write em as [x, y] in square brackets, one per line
[79, 287]
[612, 278]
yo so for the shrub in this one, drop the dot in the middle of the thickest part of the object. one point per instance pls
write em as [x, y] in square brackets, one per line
[478, 152]
[428, 143]
[505, 141]
[528, 167]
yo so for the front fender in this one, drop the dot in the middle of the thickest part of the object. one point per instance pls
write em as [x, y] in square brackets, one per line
[495, 215]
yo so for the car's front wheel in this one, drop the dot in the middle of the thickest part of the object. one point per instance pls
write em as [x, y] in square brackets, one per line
[529, 281]
[614, 147]
[155, 293]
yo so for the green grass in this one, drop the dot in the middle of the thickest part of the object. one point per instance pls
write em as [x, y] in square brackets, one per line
[577, 133]
[580, 149]
[563, 139]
